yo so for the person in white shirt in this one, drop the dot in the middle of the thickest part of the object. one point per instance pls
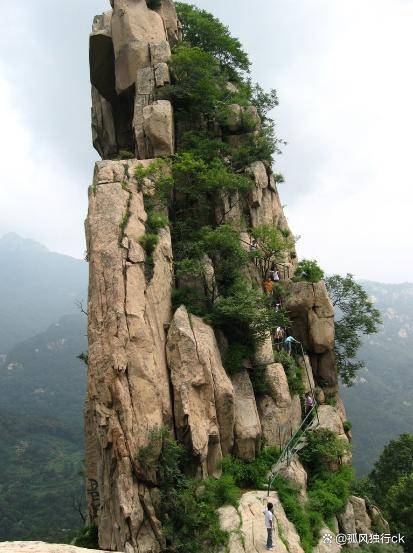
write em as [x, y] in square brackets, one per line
[268, 516]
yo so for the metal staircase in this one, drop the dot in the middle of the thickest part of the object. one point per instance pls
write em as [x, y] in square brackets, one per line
[299, 439]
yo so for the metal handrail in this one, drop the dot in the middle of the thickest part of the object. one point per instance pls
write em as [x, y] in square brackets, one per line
[286, 450]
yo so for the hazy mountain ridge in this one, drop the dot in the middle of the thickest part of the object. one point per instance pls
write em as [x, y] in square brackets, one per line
[37, 287]
[380, 404]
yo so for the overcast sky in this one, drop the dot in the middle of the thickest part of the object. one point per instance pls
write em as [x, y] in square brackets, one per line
[343, 71]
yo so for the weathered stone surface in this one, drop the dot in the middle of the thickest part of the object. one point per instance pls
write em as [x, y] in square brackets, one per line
[203, 393]
[168, 13]
[327, 543]
[312, 315]
[296, 474]
[361, 517]
[134, 27]
[158, 125]
[277, 410]
[247, 529]
[103, 126]
[247, 422]
[40, 547]
[347, 522]
[102, 57]
[128, 389]
[377, 519]
[330, 419]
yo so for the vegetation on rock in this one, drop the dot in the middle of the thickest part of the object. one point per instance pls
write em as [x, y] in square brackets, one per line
[356, 317]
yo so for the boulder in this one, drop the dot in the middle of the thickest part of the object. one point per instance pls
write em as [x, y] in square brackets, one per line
[102, 56]
[327, 543]
[134, 27]
[330, 419]
[312, 315]
[158, 125]
[247, 529]
[377, 519]
[361, 517]
[347, 522]
[247, 422]
[168, 13]
[280, 415]
[203, 393]
[128, 382]
[40, 547]
[296, 474]
[103, 126]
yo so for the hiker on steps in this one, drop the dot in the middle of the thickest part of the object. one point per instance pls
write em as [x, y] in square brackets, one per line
[288, 343]
[269, 517]
[309, 403]
[268, 286]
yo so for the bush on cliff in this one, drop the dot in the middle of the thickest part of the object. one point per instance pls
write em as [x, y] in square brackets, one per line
[308, 271]
[203, 30]
[187, 507]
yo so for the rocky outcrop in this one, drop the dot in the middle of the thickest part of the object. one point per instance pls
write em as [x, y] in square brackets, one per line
[361, 517]
[280, 414]
[151, 368]
[40, 547]
[297, 475]
[247, 428]
[328, 542]
[203, 394]
[129, 48]
[312, 315]
[246, 528]
[128, 384]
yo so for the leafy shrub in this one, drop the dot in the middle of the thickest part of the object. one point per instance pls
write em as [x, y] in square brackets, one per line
[330, 491]
[235, 355]
[198, 84]
[323, 450]
[203, 30]
[149, 241]
[253, 474]
[272, 246]
[221, 491]
[188, 508]
[156, 221]
[308, 525]
[293, 371]
[88, 537]
[193, 299]
[347, 425]
[308, 271]
[259, 381]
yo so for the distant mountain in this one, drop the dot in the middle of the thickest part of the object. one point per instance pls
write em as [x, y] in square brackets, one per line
[380, 404]
[37, 287]
[43, 387]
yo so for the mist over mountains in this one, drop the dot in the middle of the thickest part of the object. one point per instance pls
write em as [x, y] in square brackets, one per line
[37, 287]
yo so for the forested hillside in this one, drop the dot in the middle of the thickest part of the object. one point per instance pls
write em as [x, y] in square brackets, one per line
[41, 433]
[37, 287]
[380, 404]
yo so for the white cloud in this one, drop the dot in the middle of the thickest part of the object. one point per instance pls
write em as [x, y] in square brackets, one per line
[38, 196]
[342, 70]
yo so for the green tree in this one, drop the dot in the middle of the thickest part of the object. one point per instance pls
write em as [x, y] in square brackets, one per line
[308, 271]
[205, 31]
[395, 462]
[198, 84]
[272, 246]
[399, 507]
[355, 317]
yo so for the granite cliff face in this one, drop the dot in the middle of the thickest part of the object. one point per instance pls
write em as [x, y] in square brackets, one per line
[150, 367]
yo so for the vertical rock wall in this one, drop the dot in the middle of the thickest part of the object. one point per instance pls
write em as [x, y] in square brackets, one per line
[149, 367]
